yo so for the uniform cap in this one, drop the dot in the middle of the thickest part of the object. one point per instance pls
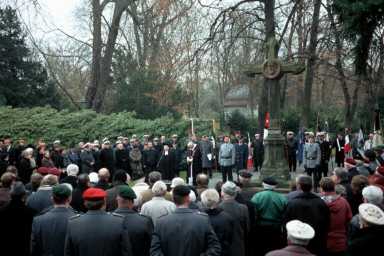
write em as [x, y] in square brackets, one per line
[94, 194]
[290, 133]
[57, 142]
[181, 190]
[371, 214]
[126, 192]
[61, 191]
[300, 230]
[174, 136]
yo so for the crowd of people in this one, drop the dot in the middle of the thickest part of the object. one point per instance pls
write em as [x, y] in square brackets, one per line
[126, 198]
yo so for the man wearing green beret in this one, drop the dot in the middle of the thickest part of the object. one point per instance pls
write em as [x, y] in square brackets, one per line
[49, 230]
[139, 227]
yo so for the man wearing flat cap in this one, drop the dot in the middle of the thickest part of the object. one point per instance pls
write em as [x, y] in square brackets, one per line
[368, 240]
[97, 233]
[298, 235]
[185, 231]
[239, 212]
[49, 230]
[139, 227]
[270, 207]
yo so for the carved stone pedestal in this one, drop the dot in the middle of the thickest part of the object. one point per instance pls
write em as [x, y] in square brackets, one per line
[275, 164]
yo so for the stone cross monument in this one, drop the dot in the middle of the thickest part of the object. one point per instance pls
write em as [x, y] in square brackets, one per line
[273, 69]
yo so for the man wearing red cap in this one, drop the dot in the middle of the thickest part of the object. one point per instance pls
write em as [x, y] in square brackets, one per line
[97, 233]
[377, 178]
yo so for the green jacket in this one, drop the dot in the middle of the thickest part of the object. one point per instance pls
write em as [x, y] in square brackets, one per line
[269, 206]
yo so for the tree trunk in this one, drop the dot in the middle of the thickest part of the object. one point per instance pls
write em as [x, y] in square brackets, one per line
[96, 53]
[105, 79]
[310, 65]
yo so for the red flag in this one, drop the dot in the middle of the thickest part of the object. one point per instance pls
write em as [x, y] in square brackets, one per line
[347, 145]
[267, 120]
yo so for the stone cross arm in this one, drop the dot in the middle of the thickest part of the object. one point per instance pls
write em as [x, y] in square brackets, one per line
[252, 70]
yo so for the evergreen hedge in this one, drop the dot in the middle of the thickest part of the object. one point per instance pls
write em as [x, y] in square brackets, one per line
[86, 125]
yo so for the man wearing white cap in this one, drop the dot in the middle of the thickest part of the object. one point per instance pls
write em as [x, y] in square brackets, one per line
[298, 235]
[369, 239]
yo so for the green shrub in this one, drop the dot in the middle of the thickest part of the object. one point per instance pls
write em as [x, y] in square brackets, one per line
[86, 125]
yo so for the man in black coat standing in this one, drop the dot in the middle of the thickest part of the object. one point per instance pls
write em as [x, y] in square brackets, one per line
[221, 221]
[258, 152]
[309, 208]
[16, 224]
[166, 165]
[150, 159]
[96, 232]
[49, 230]
[122, 158]
[139, 227]
[325, 148]
[107, 157]
[184, 232]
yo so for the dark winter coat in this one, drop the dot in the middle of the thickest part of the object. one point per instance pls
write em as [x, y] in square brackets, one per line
[222, 224]
[25, 170]
[206, 148]
[368, 241]
[49, 231]
[258, 150]
[166, 165]
[107, 160]
[241, 156]
[16, 226]
[122, 160]
[309, 208]
[150, 158]
[140, 229]
[87, 161]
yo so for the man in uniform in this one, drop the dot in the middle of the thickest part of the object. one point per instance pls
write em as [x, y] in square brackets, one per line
[139, 227]
[311, 157]
[184, 232]
[49, 229]
[97, 233]
[325, 148]
[292, 146]
[227, 157]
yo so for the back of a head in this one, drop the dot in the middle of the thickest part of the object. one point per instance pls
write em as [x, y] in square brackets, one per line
[12, 169]
[358, 183]
[36, 179]
[229, 189]
[103, 174]
[153, 177]
[49, 180]
[7, 179]
[202, 179]
[210, 198]
[341, 174]
[370, 154]
[120, 177]
[159, 188]
[373, 195]
[305, 183]
[327, 184]
[83, 180]
[72, 170]
[18, 190]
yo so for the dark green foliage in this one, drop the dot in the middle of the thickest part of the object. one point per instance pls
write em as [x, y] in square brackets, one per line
[140, 90]
[238, 122]
[359, 19]
[23, 81]
[73, 127]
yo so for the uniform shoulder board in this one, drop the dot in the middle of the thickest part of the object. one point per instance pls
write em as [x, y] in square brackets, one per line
[202, 213]
[117, 215]
[75, 216]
